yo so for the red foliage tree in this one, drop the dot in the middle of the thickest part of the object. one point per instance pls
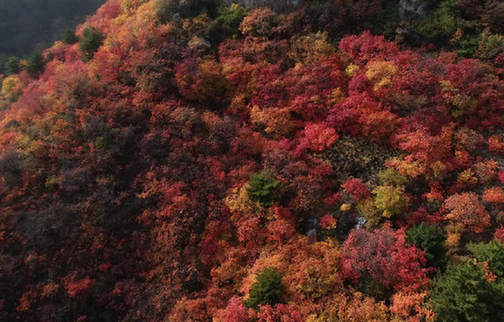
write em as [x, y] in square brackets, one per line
[356, 188]
[384, 256]
[466, 211]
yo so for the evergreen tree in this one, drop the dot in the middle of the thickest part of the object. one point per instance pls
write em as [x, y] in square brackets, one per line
[464, 293]
[493, 253]
[91, 40]
[429, 239]
[35, 64]
[262, 188]
[69, 37]
[230, 18]
[267, 289]
[12, 65]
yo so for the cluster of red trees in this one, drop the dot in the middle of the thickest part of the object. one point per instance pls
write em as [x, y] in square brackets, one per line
[161, 178]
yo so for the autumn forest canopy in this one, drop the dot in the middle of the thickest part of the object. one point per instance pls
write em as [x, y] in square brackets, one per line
[273, 161]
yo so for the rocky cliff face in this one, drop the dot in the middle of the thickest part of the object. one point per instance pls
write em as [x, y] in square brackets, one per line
[412, 8]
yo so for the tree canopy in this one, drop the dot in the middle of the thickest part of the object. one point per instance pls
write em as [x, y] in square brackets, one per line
[270, 161]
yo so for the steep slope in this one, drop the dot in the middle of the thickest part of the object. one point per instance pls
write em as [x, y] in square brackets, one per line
[190, 163]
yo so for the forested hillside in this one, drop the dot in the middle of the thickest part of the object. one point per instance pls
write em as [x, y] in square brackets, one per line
[330, 160]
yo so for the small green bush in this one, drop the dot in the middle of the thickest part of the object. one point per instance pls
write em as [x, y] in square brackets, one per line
[491, 46]
[230, 18]
[468, 46]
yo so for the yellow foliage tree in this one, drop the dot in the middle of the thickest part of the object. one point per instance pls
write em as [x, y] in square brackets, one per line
[381, 73]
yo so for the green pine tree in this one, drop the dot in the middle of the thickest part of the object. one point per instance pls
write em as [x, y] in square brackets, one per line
[492, 252]
[428, 238]
[91, 40]
[267, 289]
[12, 65]
[463, 293]
[262, 188]
[69, 37]
[35, 64]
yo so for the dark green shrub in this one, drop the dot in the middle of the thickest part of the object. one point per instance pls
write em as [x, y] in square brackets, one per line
[69, 37]
[49, 57]
[428, 238]
[468, 46]
[373, 288]
[267, 289]
[440, 26]
[491, 46]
